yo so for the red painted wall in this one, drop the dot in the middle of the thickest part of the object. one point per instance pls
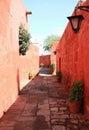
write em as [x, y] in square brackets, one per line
[13, 68]
[45, 60]
[72, 57]
[53, 54]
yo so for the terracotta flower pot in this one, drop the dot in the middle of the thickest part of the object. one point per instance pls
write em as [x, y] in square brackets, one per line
[30, 77]
[59, 80]
[51, 71]
[75, 106]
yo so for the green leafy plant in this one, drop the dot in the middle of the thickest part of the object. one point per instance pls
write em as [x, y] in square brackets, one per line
[31, 74]
[24, 38]
[59, 75]
[76, 91]
[41, 65]
[49, 41]
[53, 65]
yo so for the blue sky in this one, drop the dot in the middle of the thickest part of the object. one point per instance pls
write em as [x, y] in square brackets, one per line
[49, 17]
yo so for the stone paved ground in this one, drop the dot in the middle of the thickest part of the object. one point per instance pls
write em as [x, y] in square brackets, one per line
[42, 106]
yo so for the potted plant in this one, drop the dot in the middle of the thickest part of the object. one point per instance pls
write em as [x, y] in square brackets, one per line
[53, 67]
[41, 65]
[76, 96]
[30, 75]
[59, 76]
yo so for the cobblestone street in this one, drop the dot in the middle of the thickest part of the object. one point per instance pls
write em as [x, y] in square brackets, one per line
[42, 105]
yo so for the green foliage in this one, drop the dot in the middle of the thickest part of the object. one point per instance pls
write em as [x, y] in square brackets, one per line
[59, 74]
[77, 91]
[53, 66]
[49, 41]
[30, 74]
[41, 65]
[24, 38]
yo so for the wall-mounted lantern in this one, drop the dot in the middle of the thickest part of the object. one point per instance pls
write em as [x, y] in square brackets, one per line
[76, 20]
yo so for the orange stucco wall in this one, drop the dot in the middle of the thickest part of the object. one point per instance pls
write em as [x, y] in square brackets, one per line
[45, 60]
[53, 52]
[72, 56]
[29, 63]
[13, 68]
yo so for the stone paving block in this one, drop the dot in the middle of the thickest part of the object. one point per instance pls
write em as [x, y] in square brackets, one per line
[85, 128]
[71, 126]
[55, 121]
[13, 111]
[55, 116]
[9, 116]
[41, 123]
[7, 123]
[74, 121]
[58, 121]
[42, 106]
[64, 116]
[29, 110]
[22, 128]
[53, 113]
[75, 116]
[53, 105]
[43, 112]
[63, 108]
[23, 125]
[6, 128]
[54, 109]
[61, 100]
[27, 118]
[18, 105]
[47, 118]
[52, 101]
[41, 129]
[46, 101]
[62, 121]
[82, 121]
[28, 113]
[61, 112]
[58, 127]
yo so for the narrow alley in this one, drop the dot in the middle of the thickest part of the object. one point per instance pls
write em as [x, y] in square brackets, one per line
[42, 105]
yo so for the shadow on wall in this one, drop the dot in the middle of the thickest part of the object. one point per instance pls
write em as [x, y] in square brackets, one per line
[67, 81]
[43, 72]
[18, 81]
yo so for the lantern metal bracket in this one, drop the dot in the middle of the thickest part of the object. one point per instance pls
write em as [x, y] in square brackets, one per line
[84, 8]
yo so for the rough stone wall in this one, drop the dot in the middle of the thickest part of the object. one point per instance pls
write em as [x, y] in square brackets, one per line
[73, 55]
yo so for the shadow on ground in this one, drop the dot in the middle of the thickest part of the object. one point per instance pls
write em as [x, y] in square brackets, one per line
[44, 70]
